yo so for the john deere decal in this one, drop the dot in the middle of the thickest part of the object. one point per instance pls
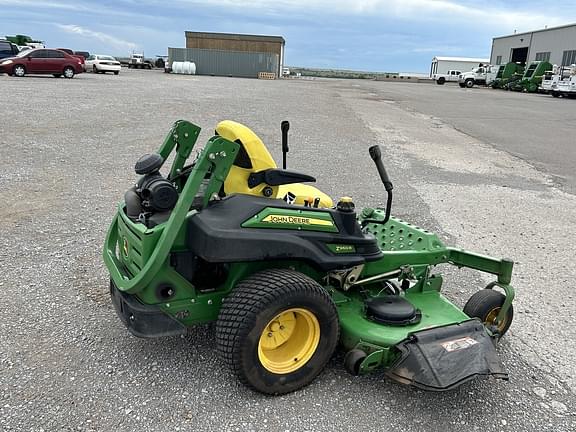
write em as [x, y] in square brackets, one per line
[288, 219]
[296, 220]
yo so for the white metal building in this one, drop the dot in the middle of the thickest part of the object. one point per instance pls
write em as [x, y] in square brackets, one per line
[441, 65]
[556, 45]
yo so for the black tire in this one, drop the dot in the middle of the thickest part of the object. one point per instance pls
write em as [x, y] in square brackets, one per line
[462, 85]
[555, 94]
[258, 303]
[441, 81]
[94, 69]
[18, 71]
[68, 72]
[56, 75]
[486, 304]
[469, 83]
[116, 72]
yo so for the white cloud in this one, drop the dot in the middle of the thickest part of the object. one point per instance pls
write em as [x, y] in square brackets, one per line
[102, 37]
[410, 10]
[80, 7]
[486, 13]
[43, 4]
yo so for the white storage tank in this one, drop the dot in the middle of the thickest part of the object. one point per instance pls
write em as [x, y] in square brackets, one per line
[186, 68]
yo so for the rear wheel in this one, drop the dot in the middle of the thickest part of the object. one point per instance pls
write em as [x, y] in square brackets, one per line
[19, 71]
[277, 330]
[68, 72]
[486, 305]
[441, 81]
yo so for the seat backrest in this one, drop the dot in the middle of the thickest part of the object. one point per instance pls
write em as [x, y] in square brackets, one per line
[252, 157]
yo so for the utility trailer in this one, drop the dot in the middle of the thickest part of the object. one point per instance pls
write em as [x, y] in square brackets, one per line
[561, 81]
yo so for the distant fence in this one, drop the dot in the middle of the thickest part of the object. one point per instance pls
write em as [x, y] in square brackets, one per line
[226, 63]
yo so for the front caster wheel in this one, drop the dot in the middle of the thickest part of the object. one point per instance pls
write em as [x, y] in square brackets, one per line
[277, 330]
[486, 305]
[352, 361]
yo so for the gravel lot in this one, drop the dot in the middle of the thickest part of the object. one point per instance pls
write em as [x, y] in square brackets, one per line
[68, 150]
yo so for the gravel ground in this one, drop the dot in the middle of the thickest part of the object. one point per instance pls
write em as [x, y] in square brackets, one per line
[68, 150]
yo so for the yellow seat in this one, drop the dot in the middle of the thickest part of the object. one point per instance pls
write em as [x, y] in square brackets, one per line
[254, 157]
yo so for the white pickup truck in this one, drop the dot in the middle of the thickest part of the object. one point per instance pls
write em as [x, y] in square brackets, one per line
[451, 75]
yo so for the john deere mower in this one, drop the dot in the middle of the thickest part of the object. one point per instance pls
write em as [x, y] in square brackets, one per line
[287, 276]
[508, 73]
[532, 78]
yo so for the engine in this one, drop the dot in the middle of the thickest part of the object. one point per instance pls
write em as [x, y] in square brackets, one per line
[153, 197]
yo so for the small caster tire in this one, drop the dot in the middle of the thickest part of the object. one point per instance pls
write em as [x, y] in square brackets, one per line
[486, 305]
[352, 361]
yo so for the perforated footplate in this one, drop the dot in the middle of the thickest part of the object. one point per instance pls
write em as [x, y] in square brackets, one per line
[397, 234]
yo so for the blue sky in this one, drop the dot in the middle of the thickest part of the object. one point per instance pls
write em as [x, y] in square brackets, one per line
[373, 35]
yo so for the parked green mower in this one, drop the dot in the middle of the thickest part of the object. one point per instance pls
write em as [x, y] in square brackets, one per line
[287, 276]
[532, 78]
[506, 74]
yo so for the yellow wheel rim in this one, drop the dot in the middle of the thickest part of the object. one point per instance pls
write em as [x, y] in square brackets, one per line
[491, 319]
[288, 341]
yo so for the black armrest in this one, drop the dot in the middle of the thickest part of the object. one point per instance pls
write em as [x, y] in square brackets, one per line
[277, 177]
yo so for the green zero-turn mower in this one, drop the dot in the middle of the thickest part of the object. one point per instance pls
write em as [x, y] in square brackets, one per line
[532, 77]
[508, 73]
[287, 279]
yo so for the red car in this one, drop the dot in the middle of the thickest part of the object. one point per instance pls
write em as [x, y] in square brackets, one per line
[42, 61]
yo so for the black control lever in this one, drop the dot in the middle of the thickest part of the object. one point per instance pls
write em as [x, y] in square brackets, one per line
[376, 155]
[285, 126]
